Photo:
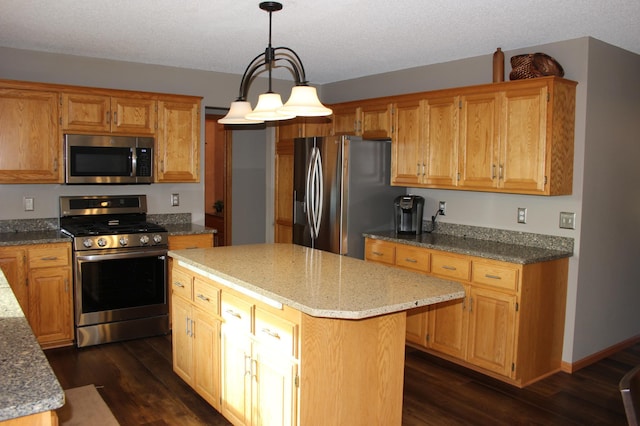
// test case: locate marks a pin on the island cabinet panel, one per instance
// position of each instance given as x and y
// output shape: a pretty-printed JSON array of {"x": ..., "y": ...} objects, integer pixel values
[
  {"x": 509, "y": 326},
  {"x": 87, "y": 112},
  {"x": 334, "y": 368},
  {"x": 30, "y": 140},
  {"x": 40, "y": 277}
]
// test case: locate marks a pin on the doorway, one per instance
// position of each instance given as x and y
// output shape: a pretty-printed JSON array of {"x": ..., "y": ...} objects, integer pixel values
[{"x": 217, "y": 175}]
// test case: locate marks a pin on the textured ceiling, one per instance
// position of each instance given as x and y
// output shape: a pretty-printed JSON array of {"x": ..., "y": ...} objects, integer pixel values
[{"x": 336, "y": 40}]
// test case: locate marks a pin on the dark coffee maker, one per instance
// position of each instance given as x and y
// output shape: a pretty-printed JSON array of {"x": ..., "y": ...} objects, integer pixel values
[{"x": 408, "y": 217}]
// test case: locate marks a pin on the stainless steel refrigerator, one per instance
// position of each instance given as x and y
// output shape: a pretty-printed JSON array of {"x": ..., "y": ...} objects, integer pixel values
[{"x": 341, "y": 190}]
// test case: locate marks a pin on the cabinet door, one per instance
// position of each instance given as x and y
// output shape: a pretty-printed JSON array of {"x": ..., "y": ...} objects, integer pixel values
[
  {"x": 376, "y": 120},
  {"x": 30, "y": 148},
  {"x": 235, "y": 366},
  {"x": 346, "y": 120},
  {"x": 407, "y": 144},
  {"x": 206, "y": 350},
  {"x": 50, "y": 305},
  {"x": 86, "y": 112},
  {"x": 133, "y": 116},
  {"x": 274, "y": 391},
  {"x": 12, "y": 263},
  {"x": 479, "y": 140},
  {"x": 448, "y": 323},
  {"x": 284, "y": 189},
  {"x": 178, "y": 142},
  {"x": 417, "y": 322},
  {"x": 492, "y": 325},
  {"x": 440, "y": 155},
  {"x": 523, "y": 139},
  {"x": 182, "y": 343}
]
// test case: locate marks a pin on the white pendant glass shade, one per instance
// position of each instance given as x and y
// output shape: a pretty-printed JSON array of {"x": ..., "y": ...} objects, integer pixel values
[
  {"x": 304, "y": 102},
  {"x": 268, "y": 108},
  {"x": 237, "y": 112}
]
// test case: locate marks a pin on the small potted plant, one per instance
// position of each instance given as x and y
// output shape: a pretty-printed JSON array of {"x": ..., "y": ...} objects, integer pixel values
[{"x": 218, "y": 205}]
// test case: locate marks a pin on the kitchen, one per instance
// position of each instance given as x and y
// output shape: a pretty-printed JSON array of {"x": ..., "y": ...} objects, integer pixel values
[{"x": 599, "y": 317}]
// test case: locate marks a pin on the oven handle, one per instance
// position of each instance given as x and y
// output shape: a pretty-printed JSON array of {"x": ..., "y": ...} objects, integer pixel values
[{"x": 120, "y": 254}]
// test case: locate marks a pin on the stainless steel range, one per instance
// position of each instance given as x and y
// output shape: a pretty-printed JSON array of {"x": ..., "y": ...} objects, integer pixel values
[{"x": 120, "y": 268}]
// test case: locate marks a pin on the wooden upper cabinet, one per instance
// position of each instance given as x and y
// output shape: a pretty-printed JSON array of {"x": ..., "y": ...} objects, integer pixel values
[
  {"x": 85, "y": 112},
  {"x": 30, "y": 139},
  {"x": 478, "y": 155},
  {"x": 407, "y": 143},
  {"x": 376, "y": 118},
  {"x": 178, "y": 140},
  {"x": 346, "y": 120},
  {"x": 440, "y": 153}
]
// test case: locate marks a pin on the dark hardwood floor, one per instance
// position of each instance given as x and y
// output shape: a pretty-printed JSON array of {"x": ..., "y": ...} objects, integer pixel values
[{"x": 136, "y": 381}]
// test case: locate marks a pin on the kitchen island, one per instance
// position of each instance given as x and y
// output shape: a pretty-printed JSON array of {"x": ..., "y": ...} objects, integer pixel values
[
  {"x": 347, "y": 324},
  {"x": 29, "y": 390}
]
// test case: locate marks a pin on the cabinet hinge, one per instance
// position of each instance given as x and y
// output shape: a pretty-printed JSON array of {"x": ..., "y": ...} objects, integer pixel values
[
  {"x": 458, "y": 176},
  {"x": 545, "y": 180},
  {"x": 517, "y": 307},
  {"x": 548, "y": 96},
  {"x": 60, "y": 99},
  {"x": 427, "y": 338},
  {"x": 513, "y": 366},
  {"x": 297, "y": 380},
  {"x": 459, "y": 104}
]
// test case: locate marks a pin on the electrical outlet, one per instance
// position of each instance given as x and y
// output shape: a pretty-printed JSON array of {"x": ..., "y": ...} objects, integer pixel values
[
  {"x": 175, "y": 199},
  {"x": 567, "y": 220},
  {"x": 442, "y": 206},
  {"x": 522, "y": 215},
  {"x": 28, "y": 204}
]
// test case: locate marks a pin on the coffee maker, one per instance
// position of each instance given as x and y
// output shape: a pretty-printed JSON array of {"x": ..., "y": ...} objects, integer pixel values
[{"x": 408, "y": 214}]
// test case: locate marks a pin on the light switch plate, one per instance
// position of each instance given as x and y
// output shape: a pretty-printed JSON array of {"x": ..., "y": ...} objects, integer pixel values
[
  {"x": 567, "y": 220},
  {"x": 28, "y": 204}
]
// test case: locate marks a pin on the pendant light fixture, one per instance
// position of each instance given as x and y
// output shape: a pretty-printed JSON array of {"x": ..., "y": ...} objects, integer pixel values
[{"x": 303, "y": 101}]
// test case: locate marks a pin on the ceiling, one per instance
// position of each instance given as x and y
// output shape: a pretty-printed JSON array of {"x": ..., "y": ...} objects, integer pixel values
[{"x": 336, "y": 40}]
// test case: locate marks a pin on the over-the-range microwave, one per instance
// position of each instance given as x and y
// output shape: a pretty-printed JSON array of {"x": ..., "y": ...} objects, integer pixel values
[{"x": 101, "y": 159}]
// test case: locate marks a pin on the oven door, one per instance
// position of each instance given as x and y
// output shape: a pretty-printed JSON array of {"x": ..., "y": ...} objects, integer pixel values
[{"x": 119, "y": 285}]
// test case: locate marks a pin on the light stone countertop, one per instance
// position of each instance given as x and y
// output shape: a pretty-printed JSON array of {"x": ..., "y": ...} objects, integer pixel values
[
  {"x": 27, "y": 382},
  {"x": 318, "y": 283}
]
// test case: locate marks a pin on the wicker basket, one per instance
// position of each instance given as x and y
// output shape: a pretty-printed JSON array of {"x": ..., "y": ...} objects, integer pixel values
[{"x": 532, "y": 65}]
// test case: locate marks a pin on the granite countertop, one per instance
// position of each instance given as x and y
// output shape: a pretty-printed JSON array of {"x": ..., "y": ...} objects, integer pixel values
[
  {"x": 315, "y": 282},
  {"x": 513, "y": 253},
  {"x": 188, "y": 229},
  {"x": 33, "y": 237},
  {"x": 27, "y": 382}
]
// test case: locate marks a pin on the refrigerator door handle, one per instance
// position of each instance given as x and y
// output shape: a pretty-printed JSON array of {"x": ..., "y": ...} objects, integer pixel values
[{"x": 314, "y": 192}]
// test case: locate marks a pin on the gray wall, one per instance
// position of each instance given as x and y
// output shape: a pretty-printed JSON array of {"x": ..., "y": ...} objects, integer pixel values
[{"x": 602, "y": 285}]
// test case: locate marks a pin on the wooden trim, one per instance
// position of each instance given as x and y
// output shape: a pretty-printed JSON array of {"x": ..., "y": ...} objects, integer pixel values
[{"x": 570, "y": 368}]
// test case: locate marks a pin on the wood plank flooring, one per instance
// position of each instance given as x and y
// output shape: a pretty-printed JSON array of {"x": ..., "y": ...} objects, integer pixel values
[{"x": 136, "y": 381}]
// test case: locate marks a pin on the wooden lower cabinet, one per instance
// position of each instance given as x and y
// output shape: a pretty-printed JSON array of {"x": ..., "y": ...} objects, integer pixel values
[
  {"x": 509, "y": 326},
  {"x": 40, "y": 277}
]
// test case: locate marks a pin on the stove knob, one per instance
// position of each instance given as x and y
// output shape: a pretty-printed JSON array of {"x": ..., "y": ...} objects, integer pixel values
[
  {"x": 144, "y": 240},
  {"x": 102, "y": 242},
  {"x": 87, "y": 243},
  {"x": 157, "y": 239},
  {"x": 124, "y": 241}
]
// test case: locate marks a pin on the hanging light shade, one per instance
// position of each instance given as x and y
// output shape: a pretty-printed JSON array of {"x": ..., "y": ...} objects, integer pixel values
[
  {"x": 303, "y": 100},
  {"x": 269, "y": 109},
  {"x": 237, "y": 113}
]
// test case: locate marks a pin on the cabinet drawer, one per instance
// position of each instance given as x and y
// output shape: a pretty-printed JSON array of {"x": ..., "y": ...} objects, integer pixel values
[
  {"x": 494, "y": 275},
  {"x": 206, "y": 296},
  {"x": 413, "y": 258},
  {"x": 380, "y": 251},
  {"x": 450, "y": 266},
  {"x": 180, "y": 242},
  {"x": 48, "y": 256},
  {"x": 278, "y": 333},
  {"x": 181, "y": 283},
  {"x": 236, "y": 312}
]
